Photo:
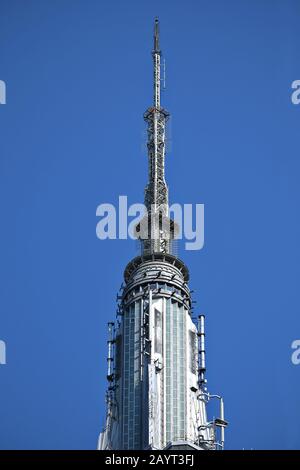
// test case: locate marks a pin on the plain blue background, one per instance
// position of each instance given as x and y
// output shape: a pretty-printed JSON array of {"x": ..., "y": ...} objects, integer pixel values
[{"x": 79, "y": 77}]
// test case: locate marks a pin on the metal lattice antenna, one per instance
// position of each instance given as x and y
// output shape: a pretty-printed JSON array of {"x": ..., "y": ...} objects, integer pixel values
[{"x": 160, "y": 228}]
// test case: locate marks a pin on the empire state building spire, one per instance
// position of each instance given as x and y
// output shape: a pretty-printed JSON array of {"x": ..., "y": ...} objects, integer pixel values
[{"x": 157, "y": 396}]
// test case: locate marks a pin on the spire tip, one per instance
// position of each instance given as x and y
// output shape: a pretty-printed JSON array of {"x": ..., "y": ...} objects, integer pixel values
[{"x": 156, "y": 35}]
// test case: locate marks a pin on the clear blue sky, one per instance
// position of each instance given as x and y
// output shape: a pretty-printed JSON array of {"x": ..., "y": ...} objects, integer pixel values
[{"x": 79, "y": 77}]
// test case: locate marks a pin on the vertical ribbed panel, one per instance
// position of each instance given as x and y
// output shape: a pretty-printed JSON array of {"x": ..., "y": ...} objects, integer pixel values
[
  {"x": 131, "y": 378},
  {"x": 175, "y": 361}
]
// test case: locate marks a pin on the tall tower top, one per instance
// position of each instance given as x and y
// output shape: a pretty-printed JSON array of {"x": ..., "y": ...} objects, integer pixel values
[{"x": 157, "y": 396}]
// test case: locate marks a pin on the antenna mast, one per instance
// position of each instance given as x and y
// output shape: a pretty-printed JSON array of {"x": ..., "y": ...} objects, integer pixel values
[
  {"x": 156, "y": 62},
  {"x": 159, "y": 228}
]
